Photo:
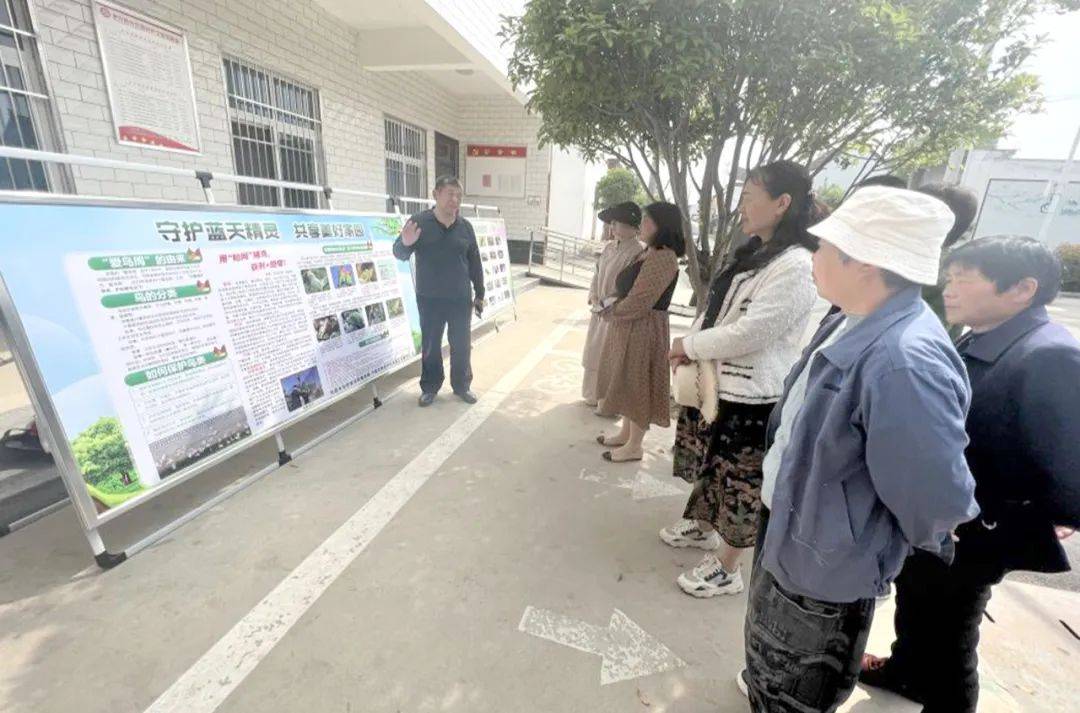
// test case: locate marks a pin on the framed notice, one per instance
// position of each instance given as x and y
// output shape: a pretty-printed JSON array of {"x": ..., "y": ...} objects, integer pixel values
[
  {"x": 148, "y": 79},
  {"x": 495, "y": 171}
]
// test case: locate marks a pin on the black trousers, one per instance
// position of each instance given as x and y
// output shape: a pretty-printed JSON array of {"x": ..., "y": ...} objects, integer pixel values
[
  {"x": 436, "y": 317},
  {"x": 802, "y": 654},
  {"x": 938, "y": 612}
]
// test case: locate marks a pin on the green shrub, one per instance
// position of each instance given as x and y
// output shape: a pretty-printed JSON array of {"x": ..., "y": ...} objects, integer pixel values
[{"x": 1069, "y": 253}]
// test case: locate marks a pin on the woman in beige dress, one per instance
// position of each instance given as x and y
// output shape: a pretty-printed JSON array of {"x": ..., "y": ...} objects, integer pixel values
[
  {"x": 634, "y": 378},
  {"x": 621, "y": 224}
]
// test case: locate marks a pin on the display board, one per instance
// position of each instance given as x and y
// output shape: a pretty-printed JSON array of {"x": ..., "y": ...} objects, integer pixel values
[
  {"x": 167, "y": 336},
  {"x": 495, "y": 256},
  {"x": 148, "y": 79}
]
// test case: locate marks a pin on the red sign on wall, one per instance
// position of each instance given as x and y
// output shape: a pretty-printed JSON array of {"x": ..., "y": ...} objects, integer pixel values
[
  {"x": 478, "y": 151},
  {"x": 495, "y": 171}
]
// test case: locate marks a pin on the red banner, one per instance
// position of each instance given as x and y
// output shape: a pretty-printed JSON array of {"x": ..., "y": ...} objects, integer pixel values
[{"x": 496, "y": 151}]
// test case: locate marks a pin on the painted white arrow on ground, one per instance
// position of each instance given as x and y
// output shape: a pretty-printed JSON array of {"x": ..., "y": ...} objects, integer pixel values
[{"x": 626, "y": 650}]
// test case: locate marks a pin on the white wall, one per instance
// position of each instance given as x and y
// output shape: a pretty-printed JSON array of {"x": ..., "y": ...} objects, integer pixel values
[
  {"x": 301, "y": 41},
  {"x": 567, "y": 211},
  {"x": 1012, "y": 196}
]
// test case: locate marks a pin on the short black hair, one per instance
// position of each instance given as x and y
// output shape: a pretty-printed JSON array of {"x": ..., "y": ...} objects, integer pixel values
[
  {"x": 447, "y": 180},
  {"x": 884, "y": 179},
  {"x": 963, "y": 203},
  {"x": 1005, "y": 260},
  {"x": 669, "y": 227}
]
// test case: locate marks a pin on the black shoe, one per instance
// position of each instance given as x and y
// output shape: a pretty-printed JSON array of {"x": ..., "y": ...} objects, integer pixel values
[
  {"x": 466, "y": 396},
  {"x": 876, "y": 673},
  {"x": 426, "y": 399}
]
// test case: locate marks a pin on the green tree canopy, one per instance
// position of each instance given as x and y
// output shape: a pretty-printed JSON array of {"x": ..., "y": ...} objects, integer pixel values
[
  {"x": 618, "y": 185},
  {"x": 831, "y": 195},
  {"x": 668, "y": 86}
]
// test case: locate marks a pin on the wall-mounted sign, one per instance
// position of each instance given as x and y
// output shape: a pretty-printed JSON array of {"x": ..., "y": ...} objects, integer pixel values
[
  {"x": 495, "y": 171},
  {"x": 148, "y": 78}
]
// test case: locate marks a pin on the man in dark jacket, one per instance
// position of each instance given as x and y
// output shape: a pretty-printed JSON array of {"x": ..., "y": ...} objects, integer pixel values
[
  {"x": 1024, "y": 426},
  {"x": 447, "y": 260}
]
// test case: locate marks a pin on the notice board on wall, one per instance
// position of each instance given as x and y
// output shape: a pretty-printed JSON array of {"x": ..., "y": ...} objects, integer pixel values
[
  {"x": 148, "y": 79},
  {"x": 495, "y": 171}
]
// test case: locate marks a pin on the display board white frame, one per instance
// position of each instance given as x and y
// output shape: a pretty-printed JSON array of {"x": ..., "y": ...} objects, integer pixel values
[{"x": 49, "y": 418}]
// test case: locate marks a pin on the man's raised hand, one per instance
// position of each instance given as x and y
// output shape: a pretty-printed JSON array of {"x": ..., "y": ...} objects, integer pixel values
[{"x": 410, "y": 233}]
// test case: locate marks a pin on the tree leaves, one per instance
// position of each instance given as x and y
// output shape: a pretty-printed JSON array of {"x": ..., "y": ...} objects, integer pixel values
[{"x": 667, "y": 85}]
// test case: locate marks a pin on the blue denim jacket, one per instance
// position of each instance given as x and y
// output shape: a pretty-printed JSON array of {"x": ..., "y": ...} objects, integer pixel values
[{"x": 875, "y": 465}]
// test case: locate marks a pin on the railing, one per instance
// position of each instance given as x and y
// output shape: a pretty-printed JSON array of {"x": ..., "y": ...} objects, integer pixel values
[
  {"x": 562, "y": 257},
  {"x": 570, "y": 260},
  {"x": 206, "y": 178}
]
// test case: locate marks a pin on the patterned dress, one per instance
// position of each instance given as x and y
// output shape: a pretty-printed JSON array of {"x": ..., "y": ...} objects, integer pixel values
[
  {"x": 634, "y": 378},
  {"x": 723, "y": 459},
  {"x": 616, "y": 256},
  {"x": 723, "y": 462}
]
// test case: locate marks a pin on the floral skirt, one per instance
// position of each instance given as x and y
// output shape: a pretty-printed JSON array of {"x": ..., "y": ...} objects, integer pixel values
[{"x": 723, "y": 461}]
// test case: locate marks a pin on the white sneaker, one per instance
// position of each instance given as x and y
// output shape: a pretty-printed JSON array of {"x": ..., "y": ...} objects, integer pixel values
[
  {"x": 705, "y": 567},
  {"x": 710, "y": 579},
  {"x": 686, "y": 533}
]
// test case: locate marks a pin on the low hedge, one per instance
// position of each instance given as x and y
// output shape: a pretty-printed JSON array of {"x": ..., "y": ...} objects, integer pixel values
[{"x": 1069, "y": 253}]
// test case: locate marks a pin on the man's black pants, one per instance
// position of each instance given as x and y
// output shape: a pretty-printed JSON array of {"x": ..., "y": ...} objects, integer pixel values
[
  {"x": 436, "y": 317},
  {"x": 938, "y": 612}
]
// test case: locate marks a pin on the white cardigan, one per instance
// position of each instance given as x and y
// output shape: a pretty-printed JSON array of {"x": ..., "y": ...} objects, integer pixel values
[{"x": 758, "y": 335}]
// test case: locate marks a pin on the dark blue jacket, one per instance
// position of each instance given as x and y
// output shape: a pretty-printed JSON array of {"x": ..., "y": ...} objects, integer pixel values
[
  {"x": 1024, "y": 427},
  {"x": 447, "y": 259}
]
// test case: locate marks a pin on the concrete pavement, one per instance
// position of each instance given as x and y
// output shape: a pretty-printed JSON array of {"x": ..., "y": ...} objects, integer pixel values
[{"x": 478, "y": 516}]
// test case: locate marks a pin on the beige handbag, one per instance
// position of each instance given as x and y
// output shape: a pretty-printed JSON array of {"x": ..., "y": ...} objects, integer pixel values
[{"x": 695, "y": 385}]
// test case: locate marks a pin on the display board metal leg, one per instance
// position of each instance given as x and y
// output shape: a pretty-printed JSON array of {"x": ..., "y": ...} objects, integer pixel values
[
  {"x": 104, "y": 558},
  {"x": 283, "y": 456}
]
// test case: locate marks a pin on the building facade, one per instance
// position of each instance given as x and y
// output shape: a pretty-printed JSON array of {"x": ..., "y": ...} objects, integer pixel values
[
  {"x": 378, "y": 97},
  {"x": 1039, "y": 198}
]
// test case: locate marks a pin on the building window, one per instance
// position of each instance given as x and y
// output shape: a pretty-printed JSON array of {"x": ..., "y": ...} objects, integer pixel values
[
  {"x": 276, "y": 133},
  {"x": 406, "y": 161},
  {"x": 26, "y": 119}
]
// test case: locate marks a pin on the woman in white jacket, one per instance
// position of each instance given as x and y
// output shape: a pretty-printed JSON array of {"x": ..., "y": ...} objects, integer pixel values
[{"x": 751, "y": 331}]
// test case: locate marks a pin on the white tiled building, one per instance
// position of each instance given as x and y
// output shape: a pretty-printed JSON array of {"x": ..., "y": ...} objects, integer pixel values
[{"x": 385, "y": 96}]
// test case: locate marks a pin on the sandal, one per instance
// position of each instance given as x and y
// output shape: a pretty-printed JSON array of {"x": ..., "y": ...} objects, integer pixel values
[{"x": 602, "y": 440}]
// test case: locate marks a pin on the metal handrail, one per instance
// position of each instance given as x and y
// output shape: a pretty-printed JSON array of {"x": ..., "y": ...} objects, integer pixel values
[
  {"x": 206, "y": 177},
  {"x": 570, "y": 250},
  {"x": 571, "y": 253},
  {"x": 559, "y": 234}
]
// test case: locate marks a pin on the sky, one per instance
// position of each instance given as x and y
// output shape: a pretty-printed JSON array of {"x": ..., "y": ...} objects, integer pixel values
[{"x": 1050, "y": 134}]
